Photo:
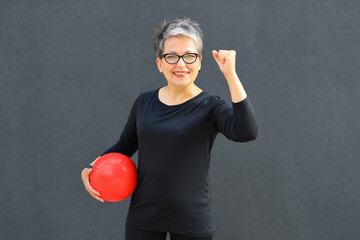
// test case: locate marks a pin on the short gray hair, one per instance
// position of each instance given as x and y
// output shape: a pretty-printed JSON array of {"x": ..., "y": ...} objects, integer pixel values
[{"x": 178, "y": 27}]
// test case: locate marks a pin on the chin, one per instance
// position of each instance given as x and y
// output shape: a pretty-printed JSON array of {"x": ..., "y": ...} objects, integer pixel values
[{"x": 181, "y": 83}]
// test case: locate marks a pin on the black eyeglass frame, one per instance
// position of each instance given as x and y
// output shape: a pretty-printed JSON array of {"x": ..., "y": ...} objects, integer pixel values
[{"x": 181, "y": 56}]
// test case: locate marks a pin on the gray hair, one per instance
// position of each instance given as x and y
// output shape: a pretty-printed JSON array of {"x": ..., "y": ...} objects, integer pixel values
[{"x": 178, "y": 27}]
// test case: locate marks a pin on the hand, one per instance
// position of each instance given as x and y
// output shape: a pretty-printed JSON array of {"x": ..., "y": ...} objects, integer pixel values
[
  {"x": 85, "y": 178},
  {"x": 226, "y": 61}
]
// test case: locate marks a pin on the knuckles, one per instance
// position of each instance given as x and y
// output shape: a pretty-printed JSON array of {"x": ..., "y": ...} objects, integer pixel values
[{"x": 223, "y": 53}]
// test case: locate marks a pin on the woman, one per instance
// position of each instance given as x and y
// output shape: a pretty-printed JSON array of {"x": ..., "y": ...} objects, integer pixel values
[{"x": 174, "y": 128}]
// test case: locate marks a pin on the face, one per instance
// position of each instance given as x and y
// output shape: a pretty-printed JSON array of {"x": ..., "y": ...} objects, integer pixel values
[{"x": 180, "y": 74}]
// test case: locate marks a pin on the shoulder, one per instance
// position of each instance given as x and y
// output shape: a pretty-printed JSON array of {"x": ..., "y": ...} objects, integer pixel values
[
  {"x": 144, "y": 98},
  {"x": 146, "y": 95},
  {"x": 216, "y": 105},
  {"x": 211, "y": 99},
  {"x": 149, "y": 93}
]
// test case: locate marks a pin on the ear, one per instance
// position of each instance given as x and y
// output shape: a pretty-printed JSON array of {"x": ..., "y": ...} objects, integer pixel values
[
  {"x": 159, "y": 64},
  {"x": 200, "y": 58}
]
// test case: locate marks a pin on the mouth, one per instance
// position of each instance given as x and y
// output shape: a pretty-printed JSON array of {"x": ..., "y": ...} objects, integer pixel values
[{"x": 180, "y": 73}]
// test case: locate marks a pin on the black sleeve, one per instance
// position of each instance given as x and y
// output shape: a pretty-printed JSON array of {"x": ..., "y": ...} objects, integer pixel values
[
  {"x": 237, "y": 123},
  {"x": 128, "y": 142}
]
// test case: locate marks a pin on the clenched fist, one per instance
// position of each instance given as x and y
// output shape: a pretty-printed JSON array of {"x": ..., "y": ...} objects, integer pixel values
[{"x": 226, "y": 61}]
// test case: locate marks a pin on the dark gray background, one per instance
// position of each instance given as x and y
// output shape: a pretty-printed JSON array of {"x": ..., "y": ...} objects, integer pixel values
[{"x": 70, "y": 71}]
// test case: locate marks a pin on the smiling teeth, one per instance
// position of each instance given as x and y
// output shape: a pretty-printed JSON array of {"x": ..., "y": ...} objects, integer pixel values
[{"x": 180, "y": 73}]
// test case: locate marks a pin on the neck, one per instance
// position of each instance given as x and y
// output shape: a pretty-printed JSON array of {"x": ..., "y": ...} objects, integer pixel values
[{"x": 179, "y": 93}]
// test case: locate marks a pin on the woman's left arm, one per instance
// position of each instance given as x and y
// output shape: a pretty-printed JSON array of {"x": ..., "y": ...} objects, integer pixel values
[
  {"x": 226, "y": 61},
  {"x": 239, "y": 124}
]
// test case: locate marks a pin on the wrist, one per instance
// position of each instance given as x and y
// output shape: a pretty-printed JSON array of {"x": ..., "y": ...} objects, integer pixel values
[
  {"x": 89, "y": 166},
  {"x": 231, "y": 76}
]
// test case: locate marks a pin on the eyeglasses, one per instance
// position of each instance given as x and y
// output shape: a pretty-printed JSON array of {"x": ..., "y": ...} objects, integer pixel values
[{"x": 173, "y": 58}]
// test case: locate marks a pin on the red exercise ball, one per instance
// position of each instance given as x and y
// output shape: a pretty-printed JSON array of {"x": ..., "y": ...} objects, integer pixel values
[{"x": 114, "y": 176}]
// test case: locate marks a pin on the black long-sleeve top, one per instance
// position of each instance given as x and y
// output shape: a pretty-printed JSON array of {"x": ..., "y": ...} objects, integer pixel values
[{"x": 174, "y": 143}]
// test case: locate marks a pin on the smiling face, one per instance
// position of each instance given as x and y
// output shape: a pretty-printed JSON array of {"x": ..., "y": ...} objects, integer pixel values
[{"x": 180, "y": 74}]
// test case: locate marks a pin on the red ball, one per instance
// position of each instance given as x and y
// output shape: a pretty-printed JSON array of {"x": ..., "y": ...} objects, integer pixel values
[{"x": 114, "y": 176}]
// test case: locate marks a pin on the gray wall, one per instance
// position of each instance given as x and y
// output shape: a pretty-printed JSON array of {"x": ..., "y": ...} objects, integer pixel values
[{"x": 70, "y": 71}]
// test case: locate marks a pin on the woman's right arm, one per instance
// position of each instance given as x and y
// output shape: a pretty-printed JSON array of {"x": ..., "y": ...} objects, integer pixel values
[{"x": 127, "y": 145}]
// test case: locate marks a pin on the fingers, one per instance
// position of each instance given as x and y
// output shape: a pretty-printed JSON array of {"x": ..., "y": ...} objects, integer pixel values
[
  {"x": 221, "y": 56},
  {"x": 88, "y": 186},
  {"x": 225, "y": 60},
  {"x": 97, "y": 197},
  {"x": 223, "y": 53},
  {"x": 85, "y": 178}
]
